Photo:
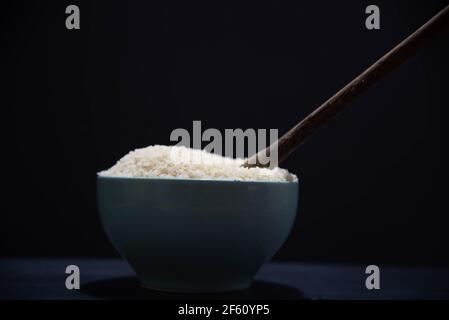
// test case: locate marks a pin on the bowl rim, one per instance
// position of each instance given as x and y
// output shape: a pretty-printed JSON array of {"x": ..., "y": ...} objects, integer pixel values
[{"x": 150, "y": 178}]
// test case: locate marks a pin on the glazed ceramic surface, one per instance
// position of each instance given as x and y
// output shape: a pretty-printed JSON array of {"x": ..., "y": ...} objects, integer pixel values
[{"x": 196, "y": 235}]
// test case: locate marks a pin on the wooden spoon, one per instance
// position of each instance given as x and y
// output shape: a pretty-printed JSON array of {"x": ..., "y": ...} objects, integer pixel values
[{"x": 290, "y": 141}]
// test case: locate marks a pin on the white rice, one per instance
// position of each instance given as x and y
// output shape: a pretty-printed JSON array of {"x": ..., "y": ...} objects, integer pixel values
[{"x": 185, "y": 163}]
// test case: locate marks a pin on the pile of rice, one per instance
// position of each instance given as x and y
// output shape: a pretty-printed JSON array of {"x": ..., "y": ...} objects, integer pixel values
[{"x": 185, "y": 163}]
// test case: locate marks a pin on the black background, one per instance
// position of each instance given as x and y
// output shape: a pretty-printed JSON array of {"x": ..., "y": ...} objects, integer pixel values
[{"x": 374, "y": 182}]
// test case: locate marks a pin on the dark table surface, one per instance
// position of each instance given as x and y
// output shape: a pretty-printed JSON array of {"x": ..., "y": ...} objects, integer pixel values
[{"x": 114, "y": 279}]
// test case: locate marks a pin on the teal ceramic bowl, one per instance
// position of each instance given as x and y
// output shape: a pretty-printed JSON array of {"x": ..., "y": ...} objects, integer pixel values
[{"x": 196, "y": 235}]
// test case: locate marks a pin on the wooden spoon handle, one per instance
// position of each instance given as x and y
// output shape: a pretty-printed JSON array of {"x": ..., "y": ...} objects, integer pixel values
[{"x": 290, "y": 141}]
